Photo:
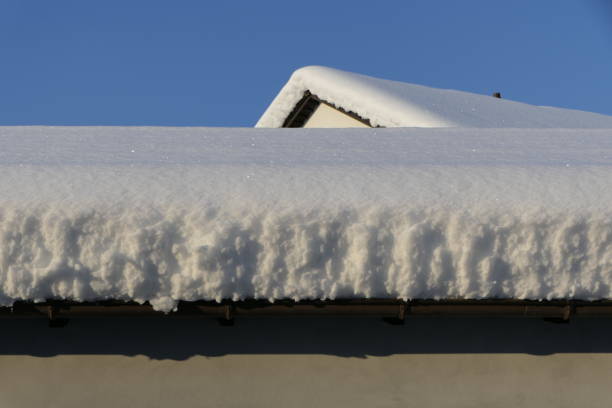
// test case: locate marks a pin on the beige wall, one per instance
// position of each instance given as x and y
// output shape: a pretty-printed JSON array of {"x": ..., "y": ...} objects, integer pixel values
[
  {"x": 306, "y": 362},
  {"x": 325, "y": 116}
]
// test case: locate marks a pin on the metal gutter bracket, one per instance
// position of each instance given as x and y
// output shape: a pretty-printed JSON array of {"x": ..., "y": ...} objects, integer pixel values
[
  {"x": 228, "y": 315},
  {"x": 55, "y": 321},
  {"x": 399, "y": 320}
]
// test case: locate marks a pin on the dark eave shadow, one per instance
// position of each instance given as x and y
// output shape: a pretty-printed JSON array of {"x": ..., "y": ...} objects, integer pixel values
[{"x": 359, "y": 337}]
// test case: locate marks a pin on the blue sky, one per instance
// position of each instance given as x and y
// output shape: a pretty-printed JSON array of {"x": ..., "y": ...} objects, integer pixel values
[{"x": 205, "y": 63}]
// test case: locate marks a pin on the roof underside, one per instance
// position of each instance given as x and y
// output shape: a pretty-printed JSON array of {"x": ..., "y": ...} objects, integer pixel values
[{"x": 306, "y": 107}]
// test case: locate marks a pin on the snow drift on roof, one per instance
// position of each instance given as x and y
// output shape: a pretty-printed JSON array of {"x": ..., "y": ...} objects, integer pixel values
[
  {"x": 398, "y": 104},
  {"x": 167, "y": 214}
]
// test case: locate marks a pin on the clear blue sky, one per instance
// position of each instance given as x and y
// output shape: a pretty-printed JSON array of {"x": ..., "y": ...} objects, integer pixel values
[{"x": 220, "y": 63}]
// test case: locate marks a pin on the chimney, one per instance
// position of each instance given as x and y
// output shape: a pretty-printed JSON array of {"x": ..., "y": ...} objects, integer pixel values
[{"x": 497, "y": 95}]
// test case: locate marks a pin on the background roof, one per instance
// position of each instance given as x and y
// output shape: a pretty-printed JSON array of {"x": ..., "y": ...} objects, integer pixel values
[{"x": 398, "y": 104}]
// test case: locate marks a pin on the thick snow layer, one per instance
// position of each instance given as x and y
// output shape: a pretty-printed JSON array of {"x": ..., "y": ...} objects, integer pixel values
[
  {"x": 398, "y": 104},
  {"x": 164, "y": 214}
]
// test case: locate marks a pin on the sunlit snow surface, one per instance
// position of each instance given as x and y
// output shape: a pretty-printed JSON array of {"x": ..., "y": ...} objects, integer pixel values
[
  {"x": 168, "y": 214},
  {"x": 395, "y": 104}
]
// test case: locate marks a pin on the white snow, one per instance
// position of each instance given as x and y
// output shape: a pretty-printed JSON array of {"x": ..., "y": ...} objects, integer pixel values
[
  {"x": 396, "y": 104},
  {"x": 168, "y": 214}
]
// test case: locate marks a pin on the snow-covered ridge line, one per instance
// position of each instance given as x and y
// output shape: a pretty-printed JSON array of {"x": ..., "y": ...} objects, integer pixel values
[
  {"x": 167, "y": 214},
  {"x": 397, "y": 104}
]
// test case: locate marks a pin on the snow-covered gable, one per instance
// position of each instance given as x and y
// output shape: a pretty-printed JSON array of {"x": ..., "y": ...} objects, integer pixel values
[{"x": 396, "y": 104}]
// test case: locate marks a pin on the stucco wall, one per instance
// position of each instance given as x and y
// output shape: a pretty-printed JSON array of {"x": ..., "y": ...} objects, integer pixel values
[
  {"x": 325, "y": 116},
  {"x": 306, "y": 362}
]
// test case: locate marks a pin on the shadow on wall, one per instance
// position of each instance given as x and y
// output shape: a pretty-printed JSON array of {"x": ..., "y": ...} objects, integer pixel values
[{"x": 180, "y": 339}]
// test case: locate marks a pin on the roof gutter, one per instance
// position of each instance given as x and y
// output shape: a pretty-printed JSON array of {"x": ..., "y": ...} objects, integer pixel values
[{"x": 394, "y": 311}]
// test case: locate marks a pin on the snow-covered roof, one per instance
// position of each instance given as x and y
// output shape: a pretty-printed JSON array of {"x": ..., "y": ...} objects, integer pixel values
[
  {"x": 168, "y": 214},
  {"x": 397, "y": 104}
]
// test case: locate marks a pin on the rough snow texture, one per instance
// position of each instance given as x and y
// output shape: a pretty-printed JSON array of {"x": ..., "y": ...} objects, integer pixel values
[
  {"x": 397, "y": 104},
  {"x": 164, "y": 214}
]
